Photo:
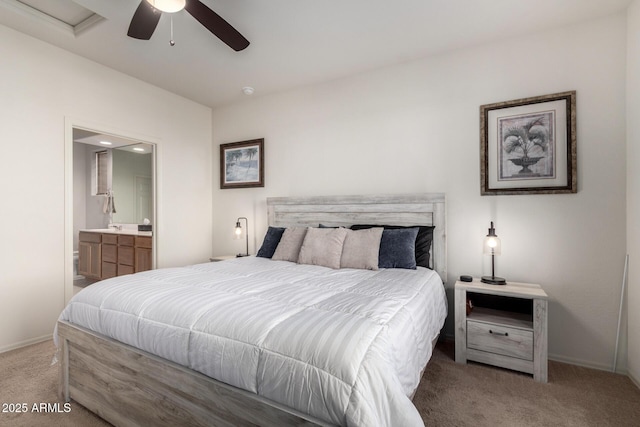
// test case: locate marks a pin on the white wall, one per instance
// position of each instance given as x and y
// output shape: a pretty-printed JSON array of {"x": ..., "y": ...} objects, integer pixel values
[
  {"x": 80, "y": 189},
  {"x": 633, "y": 187},
  {"x": 415, "y": 128},
  {"x": 41, "y": 86}
]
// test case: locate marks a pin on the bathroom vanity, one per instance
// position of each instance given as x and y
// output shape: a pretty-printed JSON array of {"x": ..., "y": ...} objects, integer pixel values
[{"x": 106, "y": 253}]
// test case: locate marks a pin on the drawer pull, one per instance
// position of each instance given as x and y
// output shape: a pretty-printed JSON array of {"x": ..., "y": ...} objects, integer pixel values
[{"x": 504, "y": 334}]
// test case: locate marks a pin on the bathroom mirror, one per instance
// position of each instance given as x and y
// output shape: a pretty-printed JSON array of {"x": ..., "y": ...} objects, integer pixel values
[
  {"x": 106, "y": 167},
  {"x": 131, "y": 183}
]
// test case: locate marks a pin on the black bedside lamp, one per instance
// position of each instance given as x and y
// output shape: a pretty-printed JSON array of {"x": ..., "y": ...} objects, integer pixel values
[
  {"x": 238, "y": 233},
  {"x": 492, "y": 247}
]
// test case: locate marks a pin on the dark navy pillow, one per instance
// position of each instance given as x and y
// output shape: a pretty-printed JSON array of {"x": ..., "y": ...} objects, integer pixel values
[
  {"x": 423, "y": 240},
  {"x": 398, "y": 249},
  {"x": 270, "y": 243}
]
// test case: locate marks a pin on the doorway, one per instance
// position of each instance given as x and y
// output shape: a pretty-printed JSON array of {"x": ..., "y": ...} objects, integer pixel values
[{"x": 110, "y": 186}]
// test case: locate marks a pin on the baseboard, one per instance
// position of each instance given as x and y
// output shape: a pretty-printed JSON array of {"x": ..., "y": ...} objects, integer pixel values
[
  {"x": 26, "y": 343},
  {"x": 585, "y": 363}
]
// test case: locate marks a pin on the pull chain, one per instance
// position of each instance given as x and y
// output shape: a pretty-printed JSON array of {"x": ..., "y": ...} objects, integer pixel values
[{"x": 172, "y": 42}]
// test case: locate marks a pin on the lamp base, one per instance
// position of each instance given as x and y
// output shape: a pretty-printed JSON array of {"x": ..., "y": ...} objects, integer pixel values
[
  {"x": 492, "y": 280},
  {"x": 241, "y": 255}
]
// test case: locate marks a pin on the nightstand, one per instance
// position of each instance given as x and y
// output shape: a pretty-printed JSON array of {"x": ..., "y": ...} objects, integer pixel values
[
  {"x": 506, "y": 327},
  {"x": 221, "y": 258}
]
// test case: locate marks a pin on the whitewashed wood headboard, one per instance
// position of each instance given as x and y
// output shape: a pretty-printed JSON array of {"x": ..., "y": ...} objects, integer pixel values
[{"x": 397, "y": 209}]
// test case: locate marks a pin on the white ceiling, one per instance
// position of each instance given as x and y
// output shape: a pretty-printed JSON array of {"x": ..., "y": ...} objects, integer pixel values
[{"x": 296, "y": 42}]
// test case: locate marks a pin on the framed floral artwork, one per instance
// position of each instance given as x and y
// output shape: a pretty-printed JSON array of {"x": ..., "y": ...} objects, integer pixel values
[{"x": 528, "y": 146}]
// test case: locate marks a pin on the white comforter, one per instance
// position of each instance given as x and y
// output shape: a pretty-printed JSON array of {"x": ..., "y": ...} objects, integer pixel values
[{"x": 346, "y": 346}]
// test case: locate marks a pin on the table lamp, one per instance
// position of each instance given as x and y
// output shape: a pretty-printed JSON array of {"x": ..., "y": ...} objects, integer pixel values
[
  {"x": 492, "y": 247},
  {"x": 238, "y": 234}
]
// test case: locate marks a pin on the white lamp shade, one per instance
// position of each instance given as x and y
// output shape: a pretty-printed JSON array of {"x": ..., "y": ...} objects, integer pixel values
[
  {"x": 169, "y": 6},
  {"x": 492, "y": 245}
]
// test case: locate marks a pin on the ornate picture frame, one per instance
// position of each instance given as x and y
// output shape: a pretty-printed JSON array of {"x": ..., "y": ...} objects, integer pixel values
[
  {"x": 528, "y": 146},
  {"x": 242, "y": 164}
]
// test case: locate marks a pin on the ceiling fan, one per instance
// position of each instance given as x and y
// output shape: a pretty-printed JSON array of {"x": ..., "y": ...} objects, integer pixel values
[{"x": 147, "y": 15}]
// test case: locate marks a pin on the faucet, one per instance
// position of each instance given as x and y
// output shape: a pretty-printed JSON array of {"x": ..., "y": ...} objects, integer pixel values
[{"x": 117, "y": 227}]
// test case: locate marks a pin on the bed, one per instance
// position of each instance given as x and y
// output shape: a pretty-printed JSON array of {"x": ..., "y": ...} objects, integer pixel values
[{"x": 250, "y": 354}]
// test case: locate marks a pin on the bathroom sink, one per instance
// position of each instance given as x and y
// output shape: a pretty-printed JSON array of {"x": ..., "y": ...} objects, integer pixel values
[{"x": 116, "y": 231}]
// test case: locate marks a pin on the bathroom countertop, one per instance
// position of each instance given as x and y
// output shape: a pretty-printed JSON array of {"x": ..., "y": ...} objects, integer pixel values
[{"x": 129, "y": 232}]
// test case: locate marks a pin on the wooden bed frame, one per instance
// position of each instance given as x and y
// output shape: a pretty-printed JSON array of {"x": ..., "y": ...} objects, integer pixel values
[{"x": 130, "y": 387}]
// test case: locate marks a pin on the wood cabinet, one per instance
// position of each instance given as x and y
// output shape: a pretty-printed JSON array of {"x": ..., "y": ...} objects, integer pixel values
[
  {"x": 109, "y": 256},
  {"x": 105, "y": 255},
  {"x": 125, "y": 254},
  {"x": 502, "y": 325},
  {"x": 143, "y": 254},
  {"x": 89, "y": 255}
]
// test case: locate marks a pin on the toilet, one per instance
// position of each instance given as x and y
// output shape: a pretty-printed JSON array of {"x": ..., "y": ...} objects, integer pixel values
[{"x": 75, "y": 266}]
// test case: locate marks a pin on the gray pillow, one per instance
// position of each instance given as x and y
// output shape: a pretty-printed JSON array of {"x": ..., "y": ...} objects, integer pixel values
[
  {"x": 270, "y": 242},
  {"x": 289, "y": 247},
  {"x": 398, "y": 248},
  {"x": 423, "y": 240},
  {"x": 361, "y": 248},
  {"x": 323, "y": 246}
]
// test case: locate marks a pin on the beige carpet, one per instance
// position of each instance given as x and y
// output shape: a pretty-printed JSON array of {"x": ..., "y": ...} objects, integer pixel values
[
  {"x": 449, "y": 395},
  {"x": 26, "y": 376}
]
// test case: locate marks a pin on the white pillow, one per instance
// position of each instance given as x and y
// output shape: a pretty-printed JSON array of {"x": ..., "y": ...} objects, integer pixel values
[
  {"x": 289, "y": 247},
  {"x": 322, "y": 246},
  {"x": 361, "y": 248}
]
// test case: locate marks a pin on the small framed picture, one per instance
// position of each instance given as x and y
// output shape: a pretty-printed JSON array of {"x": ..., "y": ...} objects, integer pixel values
[
  {"x": 528, "y": 146},
  {"x": 242, "y": 164}
]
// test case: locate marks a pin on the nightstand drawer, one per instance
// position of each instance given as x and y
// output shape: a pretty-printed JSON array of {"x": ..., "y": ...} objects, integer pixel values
[{"x": 502, "y": 340}]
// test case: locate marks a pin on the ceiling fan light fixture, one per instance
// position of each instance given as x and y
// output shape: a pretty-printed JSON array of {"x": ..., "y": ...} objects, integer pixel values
[
  {"x": 169, "y": 6},
  {"x": 149, "y": 12}
]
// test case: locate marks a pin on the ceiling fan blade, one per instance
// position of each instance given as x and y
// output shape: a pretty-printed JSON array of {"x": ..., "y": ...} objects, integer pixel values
[
  {"x": 144, "y": 21},
  {"x": 218, "y": 26}
]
